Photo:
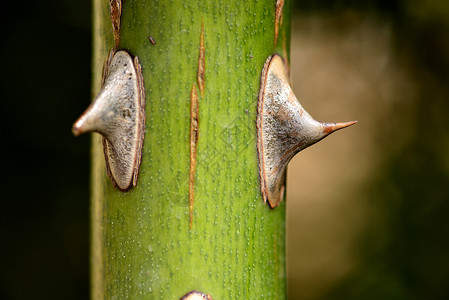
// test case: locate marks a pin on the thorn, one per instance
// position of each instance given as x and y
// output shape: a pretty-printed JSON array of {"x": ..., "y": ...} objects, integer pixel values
[
  {"x": 284, "y": 128},
  {"x": 90, "y": 120},
  {"x": 77, "y": 128},
  {"x": 332, "y": 127},
  {"x": 195, "y": 295},
  {"x": 117, "y": 113}
]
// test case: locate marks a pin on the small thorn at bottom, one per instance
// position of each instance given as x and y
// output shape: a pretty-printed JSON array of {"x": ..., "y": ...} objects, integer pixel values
[{"x": 195, "y": 295}]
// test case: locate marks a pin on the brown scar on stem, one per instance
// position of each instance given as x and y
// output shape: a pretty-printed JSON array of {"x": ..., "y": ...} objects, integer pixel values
[
  {"x": 278, "y": 19},
  {"x": 195, "y": 295},
  {"x": 152, "y": 40},
  {"x": 194, "y": 111},
  {"x": 116, "y": 13},
  {"x": 201, "y": 62}
]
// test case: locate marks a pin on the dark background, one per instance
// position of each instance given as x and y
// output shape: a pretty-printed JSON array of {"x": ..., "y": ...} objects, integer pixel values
[{"x": 45, "y": 84}]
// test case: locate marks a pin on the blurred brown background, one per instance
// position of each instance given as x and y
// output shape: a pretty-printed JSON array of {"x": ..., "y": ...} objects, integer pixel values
[{"x": 367, "y": 206}]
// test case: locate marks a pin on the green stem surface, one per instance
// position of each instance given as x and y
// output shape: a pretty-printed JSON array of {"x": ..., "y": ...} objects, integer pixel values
[{"x": 142, "y": 244}]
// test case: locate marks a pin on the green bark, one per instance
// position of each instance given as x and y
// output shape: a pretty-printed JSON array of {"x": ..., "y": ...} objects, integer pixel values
[{"x": 142, "y": 246}]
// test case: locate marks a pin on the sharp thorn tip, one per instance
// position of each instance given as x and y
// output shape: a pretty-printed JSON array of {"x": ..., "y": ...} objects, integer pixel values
[
  {"x": 332, "y": 127},
  {"x": 76, "y": 130}
]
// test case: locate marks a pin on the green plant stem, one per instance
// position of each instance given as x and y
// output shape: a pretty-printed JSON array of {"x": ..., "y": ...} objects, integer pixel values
[{"x": 142, "y": 244}]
